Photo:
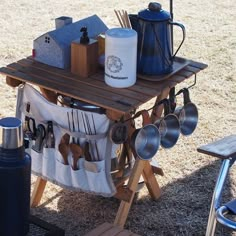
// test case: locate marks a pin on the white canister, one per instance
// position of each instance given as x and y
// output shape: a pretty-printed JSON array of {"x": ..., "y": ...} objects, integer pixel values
[{"x": 120, "y": 57}]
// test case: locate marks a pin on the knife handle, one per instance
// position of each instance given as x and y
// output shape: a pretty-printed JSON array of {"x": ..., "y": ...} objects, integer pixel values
[{"x": 50, "y": 140}]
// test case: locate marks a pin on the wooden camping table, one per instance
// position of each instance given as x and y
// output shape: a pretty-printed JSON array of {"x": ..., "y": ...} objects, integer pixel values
[{"x": 117, "y": 102}]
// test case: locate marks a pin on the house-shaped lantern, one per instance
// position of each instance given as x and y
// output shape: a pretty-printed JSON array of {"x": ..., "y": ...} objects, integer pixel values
[{"x": 54, "y": 47}]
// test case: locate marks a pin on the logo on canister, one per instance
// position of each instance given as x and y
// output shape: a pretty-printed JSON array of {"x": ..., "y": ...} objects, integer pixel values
[{"x": 120, "y": 57}]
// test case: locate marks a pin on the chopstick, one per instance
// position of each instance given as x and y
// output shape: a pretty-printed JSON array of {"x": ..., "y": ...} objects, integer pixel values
[
  {"x": 119, "y": 18},
  {"x": 123, "y": 18},
  {"x": 128, "y": 20}
]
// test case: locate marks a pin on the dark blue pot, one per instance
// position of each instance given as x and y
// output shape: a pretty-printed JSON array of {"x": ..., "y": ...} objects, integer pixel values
[{"x": 154, "y": 52}]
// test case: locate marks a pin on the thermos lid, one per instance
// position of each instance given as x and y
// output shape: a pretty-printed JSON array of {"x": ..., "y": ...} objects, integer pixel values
[
  {"x": 154, "y": 12},
  {"x": 11, "y": 133}
]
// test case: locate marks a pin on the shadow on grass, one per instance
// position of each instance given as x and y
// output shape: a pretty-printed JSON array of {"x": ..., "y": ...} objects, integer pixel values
[{"x": 182, "y": 209}]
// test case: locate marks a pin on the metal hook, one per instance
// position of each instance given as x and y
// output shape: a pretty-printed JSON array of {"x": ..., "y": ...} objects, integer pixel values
[
  {"x": 182, "y": 90},
  {"x": 195, "y": 81},
  {"x": 172, "y": 102}
]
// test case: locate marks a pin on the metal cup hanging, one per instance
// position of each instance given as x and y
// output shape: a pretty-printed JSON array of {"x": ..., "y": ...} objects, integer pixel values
[
  {"x": 187, "y": 114},
  {"x": 146, "y": 140},
  {"x": 168, "y": 126}
]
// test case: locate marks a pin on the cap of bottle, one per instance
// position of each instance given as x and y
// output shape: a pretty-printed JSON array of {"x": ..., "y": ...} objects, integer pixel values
[{"x": 11, "y": 133}]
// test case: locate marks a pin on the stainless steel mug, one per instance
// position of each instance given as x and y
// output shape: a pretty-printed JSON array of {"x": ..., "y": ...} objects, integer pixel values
[
  {"x": 168, "y": 126},
  {"x": 187, "y": 114},
  {"x": 146, "y": 140}
]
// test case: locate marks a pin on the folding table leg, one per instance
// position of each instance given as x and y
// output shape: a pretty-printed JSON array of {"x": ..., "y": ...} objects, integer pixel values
[
  {"x": 151, "y": 182},
  {"x": 123, "y": 210},
  {"x": 38, "y": 191},
  {"x": 157, "y": 111}
]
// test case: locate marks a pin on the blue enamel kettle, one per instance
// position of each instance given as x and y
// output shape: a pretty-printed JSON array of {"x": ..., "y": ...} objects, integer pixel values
[{"x": 154, "y": 26}]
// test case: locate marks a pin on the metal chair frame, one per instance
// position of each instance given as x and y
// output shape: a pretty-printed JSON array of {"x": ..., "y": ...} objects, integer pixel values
[{"x": 217, "y": 211}]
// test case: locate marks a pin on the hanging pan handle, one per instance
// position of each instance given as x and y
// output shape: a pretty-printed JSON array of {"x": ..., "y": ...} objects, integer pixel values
[
  {"x": 186, "y": 95},
  {"x": 145, "y": 116},
  {"x": 167, "y": 109}
]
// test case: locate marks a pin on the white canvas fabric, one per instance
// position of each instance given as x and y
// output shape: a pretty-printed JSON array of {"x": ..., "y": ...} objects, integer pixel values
[{"x": 91, "y": 176}]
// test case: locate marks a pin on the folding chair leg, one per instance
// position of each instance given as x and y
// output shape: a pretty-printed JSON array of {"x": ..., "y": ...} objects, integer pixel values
[{"x": 216, "y": 198}]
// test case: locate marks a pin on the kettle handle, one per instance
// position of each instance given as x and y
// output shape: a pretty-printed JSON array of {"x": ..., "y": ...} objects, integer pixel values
[{"x": 184, "y": 34}]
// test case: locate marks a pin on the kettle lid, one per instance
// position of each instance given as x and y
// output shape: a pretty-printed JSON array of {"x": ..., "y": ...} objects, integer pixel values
[{"x": 154, "y": 12}]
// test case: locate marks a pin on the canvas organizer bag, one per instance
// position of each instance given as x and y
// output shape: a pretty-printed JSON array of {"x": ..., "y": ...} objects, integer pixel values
[{"x": 83, "y": 127}]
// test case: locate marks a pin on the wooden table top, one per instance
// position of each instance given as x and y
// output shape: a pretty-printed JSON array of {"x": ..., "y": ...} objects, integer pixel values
[{"x": 93, "y": 89}]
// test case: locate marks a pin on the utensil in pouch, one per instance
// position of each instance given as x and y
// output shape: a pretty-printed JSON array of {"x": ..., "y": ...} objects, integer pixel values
[
  {"x": 50, "y": 138},
  {"x": 77, "y": 152},
  {"x": 39, "y": 138},
  {"x": 28, "y": 136},
  {"x": 27, "y": 109},
  {"x": 187, "y": 114},
  {"x": 32, "y": 127},
  {"x": 64, "y": 149},
  {"x": 87, "y": 154}
]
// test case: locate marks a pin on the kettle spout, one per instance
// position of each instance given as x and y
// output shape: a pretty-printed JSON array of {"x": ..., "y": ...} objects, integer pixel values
[{"x": 134, "y": 21}]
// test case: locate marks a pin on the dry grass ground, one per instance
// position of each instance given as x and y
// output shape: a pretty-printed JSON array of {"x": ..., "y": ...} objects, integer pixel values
[{"x": 189, "y": 176}]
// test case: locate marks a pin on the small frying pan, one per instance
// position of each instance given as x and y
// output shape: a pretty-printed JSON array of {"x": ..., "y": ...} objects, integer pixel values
[{"x": 119, "y": 132}]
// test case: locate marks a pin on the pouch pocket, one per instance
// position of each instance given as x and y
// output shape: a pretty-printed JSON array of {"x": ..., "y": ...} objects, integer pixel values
[
  {"x": 36, "y": 161},
  {"x": 48, "y": 168},
  {"x": 79, "y": 178},
  {"x": 63, "y": 174},
  {"x": 96, "y": 177}
]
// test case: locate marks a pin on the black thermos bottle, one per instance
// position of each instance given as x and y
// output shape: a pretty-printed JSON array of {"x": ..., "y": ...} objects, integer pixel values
[{"x": 15, "y": 170}]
